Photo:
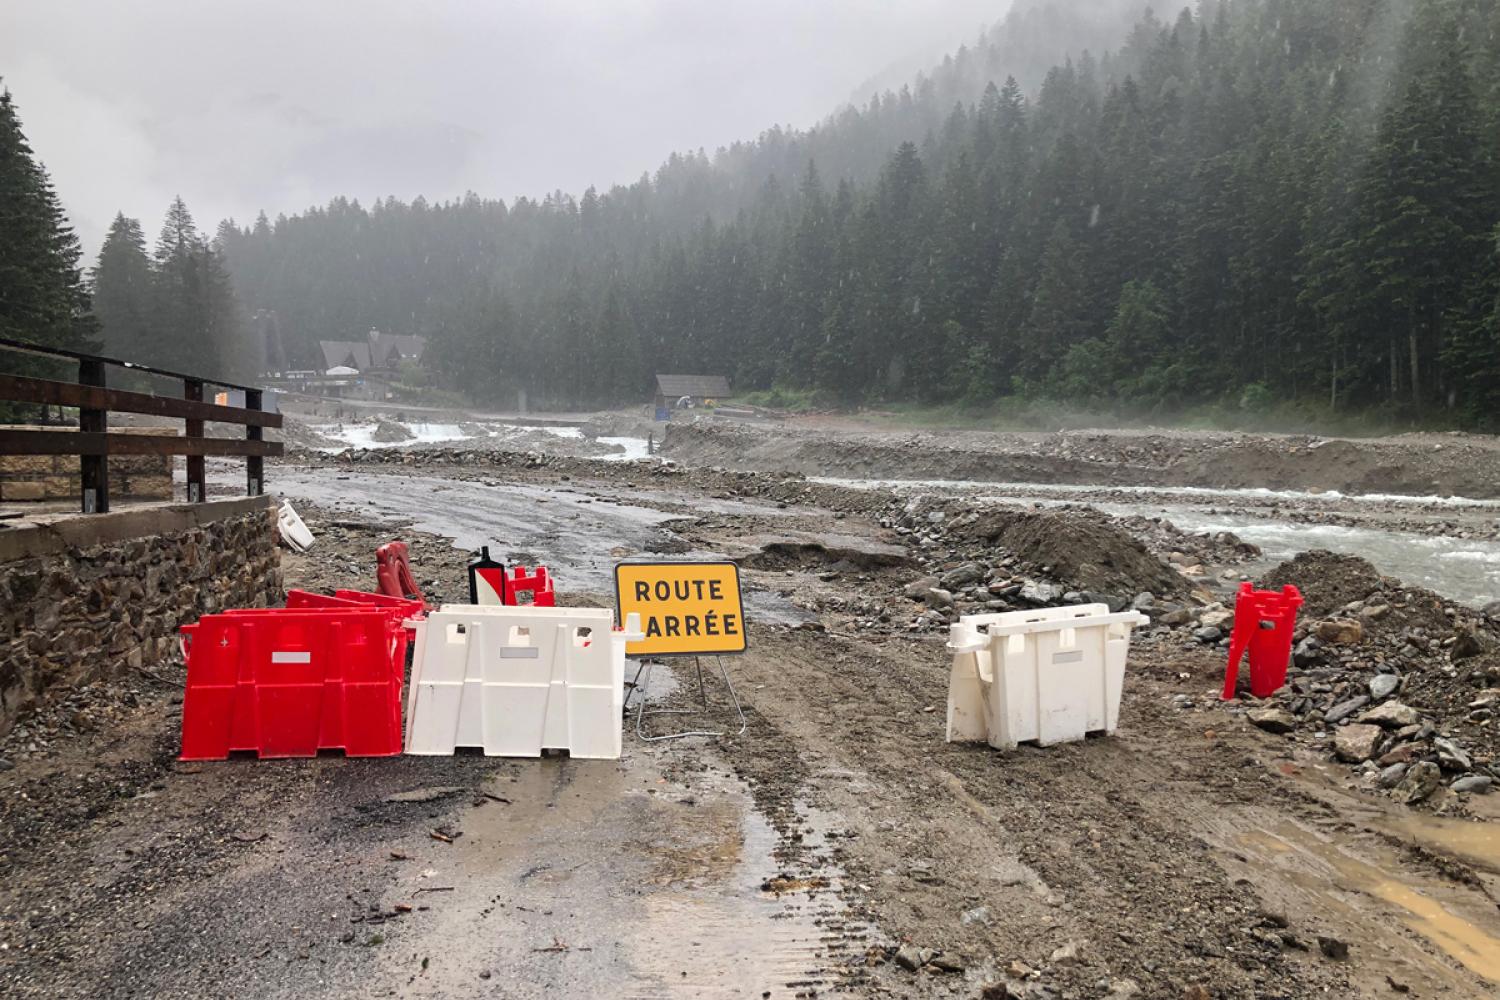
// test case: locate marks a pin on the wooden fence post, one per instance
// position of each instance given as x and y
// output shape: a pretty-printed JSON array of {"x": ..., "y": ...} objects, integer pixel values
[
  {"x": 93, "y": 469},
  {"x": 197, "y": 484},
  {"x": 255, "y": 465}
]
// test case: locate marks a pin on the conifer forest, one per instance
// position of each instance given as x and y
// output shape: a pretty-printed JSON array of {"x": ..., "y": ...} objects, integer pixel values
[{"x": 1242, "y": 202}]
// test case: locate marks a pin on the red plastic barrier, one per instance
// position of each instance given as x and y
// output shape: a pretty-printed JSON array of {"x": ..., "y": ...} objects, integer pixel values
[
  {"x": 288, "y": 683},
  {"x": 306, "y": 600},
  {"x": 393, "y": 572},
  {"x": 405, "y": 607},
  {"x": 1264, "y": 621},
  {"x": 538, "y": 585}
]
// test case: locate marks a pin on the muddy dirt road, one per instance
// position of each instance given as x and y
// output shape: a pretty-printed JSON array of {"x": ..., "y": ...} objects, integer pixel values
[{"x": 838, "y": 847}]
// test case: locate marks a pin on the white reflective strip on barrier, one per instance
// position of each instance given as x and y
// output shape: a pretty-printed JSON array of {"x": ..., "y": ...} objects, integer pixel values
[
  {"x": 1049, "y": 676},
  {"x": 518, "y": 680}
]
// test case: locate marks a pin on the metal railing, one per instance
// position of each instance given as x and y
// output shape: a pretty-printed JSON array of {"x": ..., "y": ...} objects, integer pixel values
[{"x": 93, "y": 443}]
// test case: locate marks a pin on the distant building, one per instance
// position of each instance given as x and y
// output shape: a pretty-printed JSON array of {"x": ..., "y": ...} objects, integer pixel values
[
  {"x": 378, "y": 353},
  {"x": 681, "y": 391}
]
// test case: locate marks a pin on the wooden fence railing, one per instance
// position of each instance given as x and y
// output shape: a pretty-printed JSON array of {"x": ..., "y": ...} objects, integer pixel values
[{"x": 93, "y": 443}]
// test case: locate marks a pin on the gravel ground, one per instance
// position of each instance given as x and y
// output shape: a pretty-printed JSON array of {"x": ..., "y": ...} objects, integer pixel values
[{"x": 839, "y": 846}]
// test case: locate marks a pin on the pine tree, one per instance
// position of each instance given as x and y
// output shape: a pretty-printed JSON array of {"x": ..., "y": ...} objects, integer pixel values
[
  {"x": 123, "y": 298},
  {"x": 42, "y": 295}
]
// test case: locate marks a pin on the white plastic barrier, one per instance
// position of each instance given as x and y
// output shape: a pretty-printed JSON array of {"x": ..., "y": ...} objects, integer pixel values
[
  {"x": 517, "y": 680},
  {"x": 296, "y": 534},
  {"x": 1051, "y": 675}
]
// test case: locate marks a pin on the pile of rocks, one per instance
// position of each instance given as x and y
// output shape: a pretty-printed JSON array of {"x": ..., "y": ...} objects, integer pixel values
[
  {"x": 979, "y": 560},
  {"x": 1396, "y": 681}
]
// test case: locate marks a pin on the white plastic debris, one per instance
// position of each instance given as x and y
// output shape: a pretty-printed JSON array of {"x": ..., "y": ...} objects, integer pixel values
[{"x": 294, "y": 534}]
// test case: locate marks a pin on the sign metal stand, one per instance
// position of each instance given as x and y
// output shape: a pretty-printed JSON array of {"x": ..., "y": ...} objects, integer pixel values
[
  {"x": 640, "y": 707},
  {"x": 687, "y": 609}
]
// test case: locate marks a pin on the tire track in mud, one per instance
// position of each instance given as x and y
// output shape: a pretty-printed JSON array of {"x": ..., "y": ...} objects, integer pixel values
[{"x": 1015, "y": 856}]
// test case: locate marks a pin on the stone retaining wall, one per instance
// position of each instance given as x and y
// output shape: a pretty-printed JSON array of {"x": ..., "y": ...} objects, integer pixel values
[
  {"x": 57, "y": 477},
  {"x": 86, "y": 597}
]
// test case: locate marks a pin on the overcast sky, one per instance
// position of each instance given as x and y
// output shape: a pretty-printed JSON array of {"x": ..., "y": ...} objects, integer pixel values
[{"x": 241, "y": 105}]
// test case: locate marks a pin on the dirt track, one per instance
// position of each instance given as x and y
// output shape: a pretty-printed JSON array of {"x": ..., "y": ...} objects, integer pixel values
[
  {"x": 1191, "y": 856},
  {"x": 1413, "y": 464}
]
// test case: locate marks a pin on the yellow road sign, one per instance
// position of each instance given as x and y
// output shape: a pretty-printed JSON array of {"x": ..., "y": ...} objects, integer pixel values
[{"x": 686, "y": 608}]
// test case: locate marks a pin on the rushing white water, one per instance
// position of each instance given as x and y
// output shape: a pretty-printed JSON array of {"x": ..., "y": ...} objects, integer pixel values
[
  {"x": 635, "y": 448},
  {"x": 1465, "y": 570},
  {"x": 363, "y": 435},
  {"x": 1010, "y": 490}
]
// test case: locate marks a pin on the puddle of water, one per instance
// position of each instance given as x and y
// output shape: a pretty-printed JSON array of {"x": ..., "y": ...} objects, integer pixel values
[
  {"x": 604, "y": 879},
  {"x": 767, "y": 924},
  {"x": 1476, "y": 843},
  {"x": 1473, "y": 946}
]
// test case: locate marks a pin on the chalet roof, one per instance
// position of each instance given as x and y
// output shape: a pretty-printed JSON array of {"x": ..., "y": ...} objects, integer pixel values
[
  {"x": 346, "y": 353},
  {"x": 697, "y": 386},
  {"x": 405, "y": 346}
]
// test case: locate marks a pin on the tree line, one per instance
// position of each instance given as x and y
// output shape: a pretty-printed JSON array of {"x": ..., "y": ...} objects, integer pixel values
[
  {"x": 1259, "y": 200},
  {"x": 172, "y": 308},
  {"x": 1254, "y": 202},
  {"x": 43, "y": 295}
]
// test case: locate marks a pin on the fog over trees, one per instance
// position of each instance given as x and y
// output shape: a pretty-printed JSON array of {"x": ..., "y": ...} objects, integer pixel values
[{"x": 1247, "y": 202}]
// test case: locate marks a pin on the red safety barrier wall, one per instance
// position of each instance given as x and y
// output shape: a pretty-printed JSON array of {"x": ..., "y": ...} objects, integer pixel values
[
  {"x": 393, "y": 572},
  {"x": 291, "y": 682},
  {"x": 1264, "y": 621},
  {"x": 538, "y": 585},
  {"x": 404, "y": 606}
]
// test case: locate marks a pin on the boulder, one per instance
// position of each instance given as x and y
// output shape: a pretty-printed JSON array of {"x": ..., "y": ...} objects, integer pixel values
[
  {"x": 1474, "y": 784},
  {"x": 1391, "y": 776},
  {"x": 1220, "y": 618},
  {"x": 1344, "y": 709},
  {"x": 1308, "y": 652},
  {"x": 961, "y": 576},
  {"x": 1357, "y": 743},
  {"x": 1207, "y": 635},
  {"x": 1272, "y": 720},
  {"x": 1422, "y": 779},
  {"x": 1469, "y": 643},
  {"x": 1451, "y": 755},
  {"x": 1382, "y": 686},
  {"x": 1392, "y": 715},
  {"x": 1340, "y": 631},
  {"x": 937, "y": 597},
  {"x": 917, "y": 589},
  {"x": 1037, "y": 592}
]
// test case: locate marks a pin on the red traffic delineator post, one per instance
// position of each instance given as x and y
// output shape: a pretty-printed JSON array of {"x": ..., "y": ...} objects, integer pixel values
[
  {"x": 290, "y": 682},
  {"x": 393, "y": 572},
  {"x": 1264, "y": 621},
  {"x": 539, "y": 585}
]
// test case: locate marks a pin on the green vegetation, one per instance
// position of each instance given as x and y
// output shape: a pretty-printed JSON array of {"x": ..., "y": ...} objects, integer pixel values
[
  {"x": 175, "y": 308},
  {"x": 42, "y": 295},
  {"x": 1285, "y": 204}
]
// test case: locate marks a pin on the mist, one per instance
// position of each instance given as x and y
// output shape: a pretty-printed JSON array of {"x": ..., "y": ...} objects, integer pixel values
[{"x": 278, "y": 104}]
